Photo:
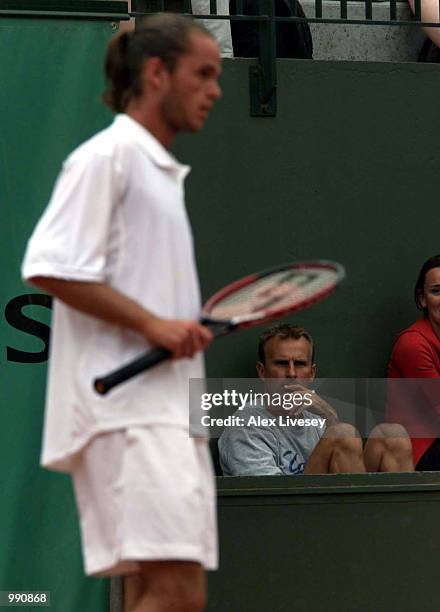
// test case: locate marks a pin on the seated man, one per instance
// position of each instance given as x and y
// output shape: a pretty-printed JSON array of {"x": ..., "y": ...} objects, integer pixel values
[
  {"x": 293, "y": 38},
  {"x": 286, "y": 352}
]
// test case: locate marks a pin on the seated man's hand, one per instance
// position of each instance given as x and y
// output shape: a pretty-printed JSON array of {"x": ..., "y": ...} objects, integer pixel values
[{"x": 319, "y": 406}]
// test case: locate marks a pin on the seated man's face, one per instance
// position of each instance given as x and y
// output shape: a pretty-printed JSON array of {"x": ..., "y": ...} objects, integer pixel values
[{"x": 288, "y": 359}]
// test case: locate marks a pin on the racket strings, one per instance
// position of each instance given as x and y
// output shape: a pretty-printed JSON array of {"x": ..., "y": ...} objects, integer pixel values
[{"x": 276, "y": 291}]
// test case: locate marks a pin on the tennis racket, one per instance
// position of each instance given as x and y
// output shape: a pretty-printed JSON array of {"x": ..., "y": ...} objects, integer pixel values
[{"x": 248, "y": 302}]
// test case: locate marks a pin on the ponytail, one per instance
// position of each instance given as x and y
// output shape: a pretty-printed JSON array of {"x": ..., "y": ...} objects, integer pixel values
[{"x": 117, "y": 72}]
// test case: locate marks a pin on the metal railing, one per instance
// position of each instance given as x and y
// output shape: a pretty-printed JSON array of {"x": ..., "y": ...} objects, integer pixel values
[
  {"x": 116, "y": 8},
  {"x": 109, "y": 10}
]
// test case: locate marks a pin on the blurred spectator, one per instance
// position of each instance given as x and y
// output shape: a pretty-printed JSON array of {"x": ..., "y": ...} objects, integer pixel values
[
  {"x": 416, "y": 354},
  {"x": 220, "y": 28},
  {"x": 430, "y": 51},
  {"x": 127, "y": 25},
  {"x": 293, "y": 39},
  {"x": 240, "y": 38}
]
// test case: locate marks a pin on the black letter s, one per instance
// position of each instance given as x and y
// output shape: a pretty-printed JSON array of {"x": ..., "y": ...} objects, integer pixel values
[{"x": 17, "y": 319}]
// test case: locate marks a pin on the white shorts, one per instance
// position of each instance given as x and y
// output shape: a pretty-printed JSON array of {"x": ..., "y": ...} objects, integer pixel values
[{"x": 145, "y": 494}]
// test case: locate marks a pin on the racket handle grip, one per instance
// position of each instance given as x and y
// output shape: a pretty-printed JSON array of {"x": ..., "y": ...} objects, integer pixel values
[{"x": 106, "y": 383}]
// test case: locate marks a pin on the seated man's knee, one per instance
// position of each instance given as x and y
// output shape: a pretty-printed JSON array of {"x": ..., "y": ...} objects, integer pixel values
[
  {"x": 393, "y": 437},
  {"x": 389, "y": 430},
  {"x": 342, "y": 431},
  {"x": 343, "y": 445},
  {"x": 351, "y": 447},
  {"x": 344, "y": 440}
]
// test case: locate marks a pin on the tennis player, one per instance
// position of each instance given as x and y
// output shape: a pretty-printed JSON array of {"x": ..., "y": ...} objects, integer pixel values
[{"x": 114, "y": 247}]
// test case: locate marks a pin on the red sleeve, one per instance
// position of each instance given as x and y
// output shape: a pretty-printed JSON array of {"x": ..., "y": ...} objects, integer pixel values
[{"x": 413, "y": 357}]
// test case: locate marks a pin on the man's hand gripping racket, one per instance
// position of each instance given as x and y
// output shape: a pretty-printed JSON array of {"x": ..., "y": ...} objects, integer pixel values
[{"x": 248, "y": 302}]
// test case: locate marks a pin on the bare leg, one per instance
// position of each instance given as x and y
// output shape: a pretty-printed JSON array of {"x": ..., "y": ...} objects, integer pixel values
[
  {"x": 166, "y": 586},
  {"x": 389, "y": 449},
  {"x": 338, "y": 451}
]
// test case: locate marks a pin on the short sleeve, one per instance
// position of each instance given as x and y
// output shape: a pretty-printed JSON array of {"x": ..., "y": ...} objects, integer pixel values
[
  {"x": 71, "y": 239},
  {"x": 245, "y": 451},
  {"x": 412, "y": 357}
]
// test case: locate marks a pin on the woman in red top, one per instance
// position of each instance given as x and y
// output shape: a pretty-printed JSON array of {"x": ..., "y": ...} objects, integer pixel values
[{"x": 416, "y": 354}]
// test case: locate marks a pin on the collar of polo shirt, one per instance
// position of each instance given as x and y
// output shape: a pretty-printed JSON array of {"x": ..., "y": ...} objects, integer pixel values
[{"x": 156, "y": 151}]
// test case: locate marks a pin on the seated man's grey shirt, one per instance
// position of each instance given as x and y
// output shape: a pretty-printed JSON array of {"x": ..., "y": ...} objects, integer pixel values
[{"x": 262, "y": 450}]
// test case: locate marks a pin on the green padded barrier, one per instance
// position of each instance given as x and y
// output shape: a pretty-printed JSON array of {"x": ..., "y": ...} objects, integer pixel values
[{"x": 330, "y": 543}]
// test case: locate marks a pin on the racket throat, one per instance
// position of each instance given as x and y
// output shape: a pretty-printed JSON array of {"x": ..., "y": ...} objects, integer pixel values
[{"x": 218, "y": 328}]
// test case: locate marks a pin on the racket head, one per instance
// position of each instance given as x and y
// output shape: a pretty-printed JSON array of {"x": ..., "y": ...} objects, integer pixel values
[{"x": 273, "y": 293}]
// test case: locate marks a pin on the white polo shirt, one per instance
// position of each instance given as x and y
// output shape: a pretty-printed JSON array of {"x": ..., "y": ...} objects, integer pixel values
[{"x": 117, "y": 216}]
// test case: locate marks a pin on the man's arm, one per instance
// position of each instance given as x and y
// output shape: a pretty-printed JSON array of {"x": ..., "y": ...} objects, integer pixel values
[{"x": 182, "y": 338}]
